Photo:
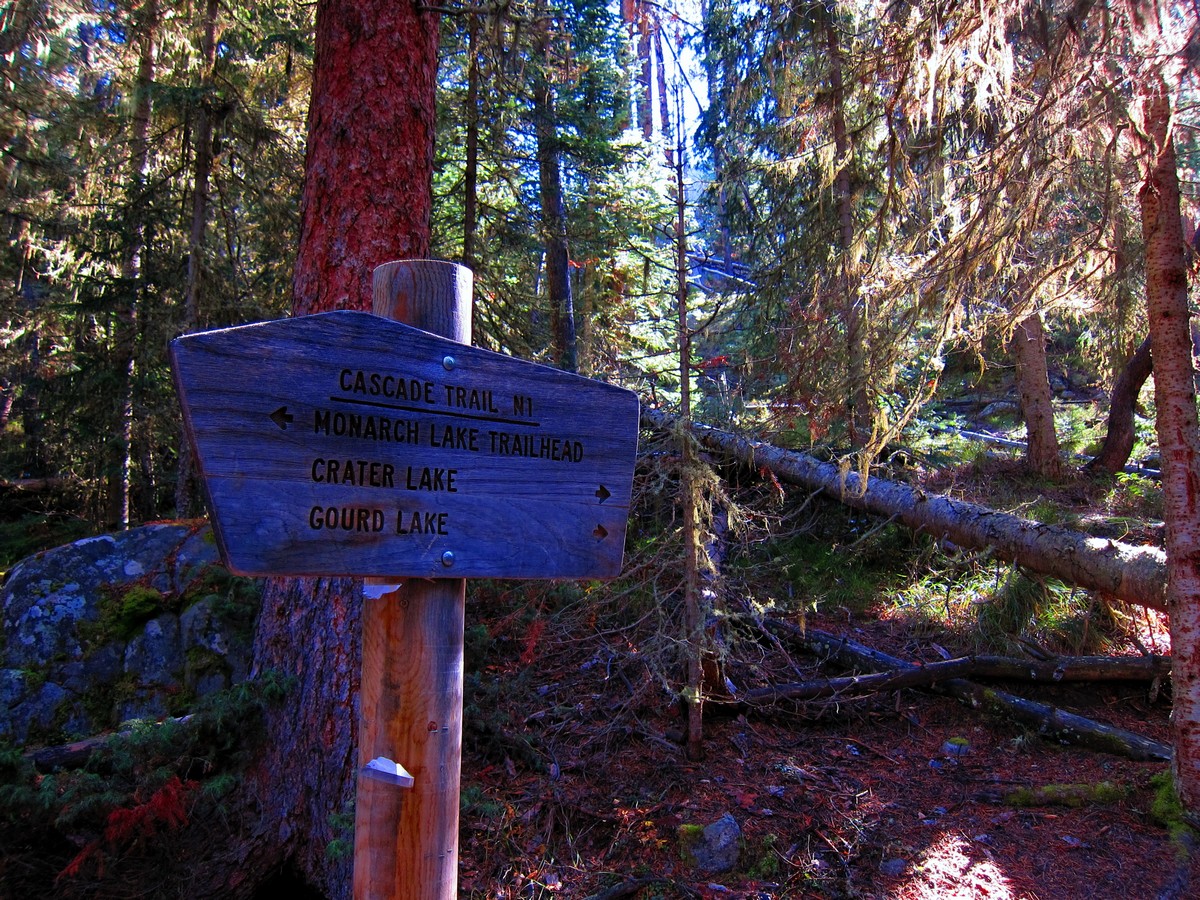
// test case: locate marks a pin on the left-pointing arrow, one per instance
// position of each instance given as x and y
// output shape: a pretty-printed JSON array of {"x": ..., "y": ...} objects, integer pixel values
[{"x": 281, "y": 418}]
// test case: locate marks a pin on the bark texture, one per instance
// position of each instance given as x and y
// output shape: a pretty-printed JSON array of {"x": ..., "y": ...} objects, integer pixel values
[
  {"x": 369, "y": 161},
  {"x": 1129, "y": 573},
  {"x": 554, "y": 207},
  {"x": 1118, "y": 439},
  {"x": 1176, "y": 423},
  {"x": 366, "y": 201},
  {"x": 1028, "y": 345}
]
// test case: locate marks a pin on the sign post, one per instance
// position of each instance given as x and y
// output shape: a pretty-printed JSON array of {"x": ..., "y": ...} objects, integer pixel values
[
  {"x": 383, "y": 445},
  {"x": 411, "y": 694}
]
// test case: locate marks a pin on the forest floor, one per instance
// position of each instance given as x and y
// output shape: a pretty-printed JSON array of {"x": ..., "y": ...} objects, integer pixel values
[
  {"x": 575, "y": 780},
  {"x": 576, "y": 784}
]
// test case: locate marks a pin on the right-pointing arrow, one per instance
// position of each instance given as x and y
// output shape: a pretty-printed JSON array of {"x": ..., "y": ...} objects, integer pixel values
[{"x": 603, "y": 493}]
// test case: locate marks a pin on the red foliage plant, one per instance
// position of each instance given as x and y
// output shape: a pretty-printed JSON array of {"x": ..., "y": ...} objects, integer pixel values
[
  {"x": 165, "y": 809},
  {"x": 536, "y": 629}
]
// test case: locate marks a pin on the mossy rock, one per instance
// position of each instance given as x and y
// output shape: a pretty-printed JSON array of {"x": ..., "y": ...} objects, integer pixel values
[
  {"x": 100, "y": 630},
  {"x": 1072, "y": 795}
]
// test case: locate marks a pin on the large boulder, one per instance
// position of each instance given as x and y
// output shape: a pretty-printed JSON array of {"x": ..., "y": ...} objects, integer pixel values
[{"x": 121, "y": 626}]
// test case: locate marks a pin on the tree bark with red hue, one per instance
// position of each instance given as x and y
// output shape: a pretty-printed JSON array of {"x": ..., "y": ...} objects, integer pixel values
[
  {"x": 367, "y": 199},
  {"x": 369, "y": 162},
  {"x": 1176, "y": 423}
]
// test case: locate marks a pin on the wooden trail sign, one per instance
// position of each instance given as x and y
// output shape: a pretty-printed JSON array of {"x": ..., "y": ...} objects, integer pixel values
[
  {"x": 347, "y": 443},
  {"x": 344, "y": 443}
]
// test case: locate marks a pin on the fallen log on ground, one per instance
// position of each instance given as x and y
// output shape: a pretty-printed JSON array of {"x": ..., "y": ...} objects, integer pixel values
[
  {"x": 77, "y": 754},
  {"x": 1048, "y": 720},
  {"x": 1131, "y": 573},
  {"x": 1065, "y": 669},
  {"x": 32, "y": 485}
]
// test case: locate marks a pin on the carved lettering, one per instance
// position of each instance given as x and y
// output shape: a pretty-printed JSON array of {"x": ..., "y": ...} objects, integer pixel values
[
  {"x": 417, "y": 522},
  {"x": 454, "y": 437},
  {"x": 430, "y": 478},
  {"x": 368, "y": 427},
  {"x": 470, "y": 398},
  {"x": 356, "y": 472},
  {"x": 504, "y": 443},
  {"x": 379, "y": 384},
  {"x": 345, "y": 518}
]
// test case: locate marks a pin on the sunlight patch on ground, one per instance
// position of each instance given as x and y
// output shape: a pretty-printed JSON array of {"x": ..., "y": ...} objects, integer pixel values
[
  {"x": 955, "y": 867},
  {"x": 1152, "y": 628}
]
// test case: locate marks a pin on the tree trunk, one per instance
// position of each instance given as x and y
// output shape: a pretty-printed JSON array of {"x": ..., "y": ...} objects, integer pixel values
[
  {"x": 1049, "y": 671},
  {"x": 848, "y": 301},
  {"x": 35, "y": 459},
  {"x": 554, "y": 210},
  {"x": 471, "y": 168},
  {"x": 7, "y": 392},
  {"x": 693, "y": 612},
  {"x": 664, "y": 101},
  {"x": 187, "y": 489},
  {"x": 1122, "y": 404},
  {"x": 639, "y": 18},
  {"x": 126, "y": 331},
  {"x": 1178, "y": 430},
  {"x": 1133, "y": 574},
  {"x": 366, "y": 201},
  {"x": 1028, "y": 344},
  {"x": 202, "y": 169}
]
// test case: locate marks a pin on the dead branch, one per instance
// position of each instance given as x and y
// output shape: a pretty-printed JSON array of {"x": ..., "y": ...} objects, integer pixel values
[
  {"x": 1049, "y": 721},
  {"x": 1063, "y": 669}
]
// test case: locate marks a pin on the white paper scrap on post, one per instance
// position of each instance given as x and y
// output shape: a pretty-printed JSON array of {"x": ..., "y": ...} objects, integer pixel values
[{"x": 383, "y": 769}]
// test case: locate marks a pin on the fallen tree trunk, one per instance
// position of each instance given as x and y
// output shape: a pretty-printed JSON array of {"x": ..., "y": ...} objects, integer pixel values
[
  {"x": 77, "y": 754},
  {"x": 1131, "y": 573},
  {"x": 32, "y": 485},
  {"x": 1066, "y": 669},
  {"x": 1049, "y": 721}
]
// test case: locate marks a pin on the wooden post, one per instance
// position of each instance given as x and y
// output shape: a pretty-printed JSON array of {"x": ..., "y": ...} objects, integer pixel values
[{"x": 406, "y": 838}]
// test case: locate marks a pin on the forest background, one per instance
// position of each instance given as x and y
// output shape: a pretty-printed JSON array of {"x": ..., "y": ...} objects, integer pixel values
[{"x": 876, "y": 204}]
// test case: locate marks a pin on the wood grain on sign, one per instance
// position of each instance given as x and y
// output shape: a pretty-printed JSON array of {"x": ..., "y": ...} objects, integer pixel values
[{"x": 347, "y": 444}]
